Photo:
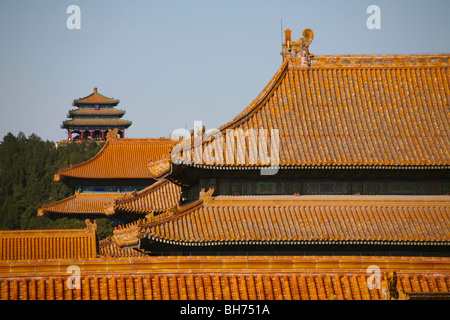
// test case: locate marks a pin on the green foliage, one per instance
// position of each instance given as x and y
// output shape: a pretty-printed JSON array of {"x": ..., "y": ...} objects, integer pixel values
[{"x": 27, "y": 167}]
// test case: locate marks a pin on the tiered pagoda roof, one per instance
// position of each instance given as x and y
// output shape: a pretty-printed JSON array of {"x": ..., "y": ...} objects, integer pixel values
[{"x": 95, "y": 112}]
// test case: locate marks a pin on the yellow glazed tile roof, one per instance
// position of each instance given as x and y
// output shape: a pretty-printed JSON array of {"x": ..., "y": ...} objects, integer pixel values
[
  {"x": 80, "y": 203},
  {"x": 58, "y": 244},
  {"x": 95, "y": 98},
  {"x": 120, "y": 158},
  {"x": 373, "y": 111},
  {"x": 300, "y": 220},
  {"x": 158, "y": 197}
]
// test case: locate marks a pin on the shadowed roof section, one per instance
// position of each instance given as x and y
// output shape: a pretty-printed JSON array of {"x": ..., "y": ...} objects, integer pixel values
[
  {"x": 158, "y": 197},
  {"x": 341, "y": 111},
  {"x": 120, "y": 158},
  {"x": 299, "y": 220}
]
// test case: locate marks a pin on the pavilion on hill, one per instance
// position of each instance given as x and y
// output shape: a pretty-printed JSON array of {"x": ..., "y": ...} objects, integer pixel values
[{"x": 94, "y": 116}]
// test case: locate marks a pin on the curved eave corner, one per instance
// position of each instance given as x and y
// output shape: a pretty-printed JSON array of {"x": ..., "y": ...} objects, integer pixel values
[
  {"x": 58, "y": 177},
  {"x": 110, "y": 209},
  {"x": 61, "y": 173},
  {"x": 41, "y": 212},
  {"x": 160, "y": 169}
]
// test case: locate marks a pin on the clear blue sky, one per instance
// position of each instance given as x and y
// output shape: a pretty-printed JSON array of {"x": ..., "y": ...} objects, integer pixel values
[{"x": 174, "y": 62}]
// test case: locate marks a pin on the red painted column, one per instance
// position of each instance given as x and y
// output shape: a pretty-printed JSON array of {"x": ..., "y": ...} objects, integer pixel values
[
  {"x": 103, "y": 134},
  {"x": 70, "y": 134},
  {"x": 123, "y": 133},
  {"x": 92, "y": 134},
  {"x": 82, "y": 135}
]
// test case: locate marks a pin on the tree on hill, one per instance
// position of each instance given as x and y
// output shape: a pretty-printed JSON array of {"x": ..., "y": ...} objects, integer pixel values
[{"x": 27, "y": 167}]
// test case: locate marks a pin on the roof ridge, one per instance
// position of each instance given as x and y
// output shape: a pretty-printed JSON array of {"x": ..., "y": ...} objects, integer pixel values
[
  {"x": 253, "y": 107},
  {"x": 149, "y": 189},
  {"x": 45, "y": 232},
  {"x": 257, "y": 102},
  {"x": 329, "y": 203},
  {"x": 139, "y": 152},
  {"x": 81, "y": 196},
  {"x": 379, "y": 60},
  {"x": 158, "y": 197},
  {"x": 111, "y": 206},
  {"x": 175, "y": 213},
  {"x": 151, "y": 221},
  {"x": 249, "y": 110},
  {"x": 41, "y": 210},
  {"x": 152, "y": 140},
  {"x": 99, "y": 194},
  {"x": 57, "y": 176}
]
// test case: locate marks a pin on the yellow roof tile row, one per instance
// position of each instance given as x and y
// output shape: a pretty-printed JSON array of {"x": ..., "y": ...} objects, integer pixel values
[
  {"x": 158, "y": 197},
  {"x": 194, "y": 278},
  {"x": 120, "y": 158},
  {"x": 303, "y": 220},
  {"x": 58, "y": 244},
  {"x": 80, "y": 203}
]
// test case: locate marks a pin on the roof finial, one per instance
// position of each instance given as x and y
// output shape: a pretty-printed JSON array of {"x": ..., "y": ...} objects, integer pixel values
[
  {"x": 298, "y": 51},
  {"x": 95, "y": 89},
  {"x": 112, "y": 135},
  {"x": 287, "y": 34}
]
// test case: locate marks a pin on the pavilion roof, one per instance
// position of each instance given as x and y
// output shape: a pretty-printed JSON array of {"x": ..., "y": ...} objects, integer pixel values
[
  {"x": 119, "y": 158},
  {"x": 158, "y": 197},
  {"x": 343, "y": 111},
  {"x": 297, "y": 220},
  {"x": 95, "y": 98},
  {"x": 81, "y": 203}
]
